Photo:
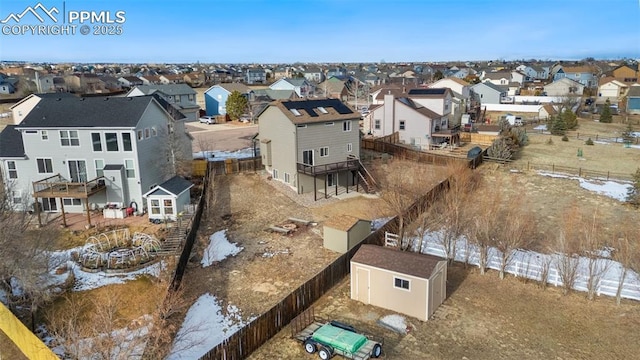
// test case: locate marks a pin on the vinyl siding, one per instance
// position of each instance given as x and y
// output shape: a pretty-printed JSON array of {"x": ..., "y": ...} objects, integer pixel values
[
  {"x": 318, "y": 135},
  {"x": 275, "y": 126}
]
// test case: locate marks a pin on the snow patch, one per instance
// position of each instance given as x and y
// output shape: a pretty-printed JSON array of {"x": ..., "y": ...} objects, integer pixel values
[
  {"x": 612, "y": 189},
  {"x": 394, "y": 322},
  {"x": 216, "y": 155},
  {"x": 206, "y": 325},
  {"x": 378, "y": 223},
  {"x": 542, "y": 127},
  {"x": 219, "y": 248}
]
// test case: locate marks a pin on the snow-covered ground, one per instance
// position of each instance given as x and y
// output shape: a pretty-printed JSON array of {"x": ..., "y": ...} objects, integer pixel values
[
  {"x": 612, "y": 189},
  {"x": 378, "y": 223},
  {"x": 216, "y": 155},
  {"x": 219, "y": 248},
  {"x": 395, "y": 322}
]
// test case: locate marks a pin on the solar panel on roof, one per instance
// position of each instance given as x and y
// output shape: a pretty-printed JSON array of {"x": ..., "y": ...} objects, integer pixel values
[
  {"x": 310, "y": 105},
  {"x": 434, "y": 91}
]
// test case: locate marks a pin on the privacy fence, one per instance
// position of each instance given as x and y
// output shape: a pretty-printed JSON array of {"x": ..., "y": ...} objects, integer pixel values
[
  {"x": 546, "y": 267},
  {"x": 264, "y": 327},
  {"x": 407, "y": 153},
  {"x": 572, "y": 171}
]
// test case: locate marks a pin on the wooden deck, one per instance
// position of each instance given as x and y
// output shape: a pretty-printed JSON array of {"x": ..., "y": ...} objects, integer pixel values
[{"x": 57, "y": 187}]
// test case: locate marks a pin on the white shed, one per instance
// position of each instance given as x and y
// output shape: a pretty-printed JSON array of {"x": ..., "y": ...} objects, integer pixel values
[
  {"x": 342, "y": 233},
  {"x": 165, "y": 201}
]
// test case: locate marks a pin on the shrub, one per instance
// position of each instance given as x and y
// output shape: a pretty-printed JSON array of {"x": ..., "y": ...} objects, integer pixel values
[
  {"x": 588, "y": 142},
  {"x": 549, "y": 141},
  {"x": 565, "y": 138},
  {"x": 605, "y": 115}
]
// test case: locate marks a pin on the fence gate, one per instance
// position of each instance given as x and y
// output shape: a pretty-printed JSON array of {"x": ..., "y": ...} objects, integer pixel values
[{"x": 391, "y": 239}]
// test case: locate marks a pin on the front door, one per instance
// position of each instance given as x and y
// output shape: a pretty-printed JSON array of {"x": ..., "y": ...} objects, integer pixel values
[
  {"x": 77, "y": 171},
  {"x": 307, "y": 157},
  {"x": 362, "y": 283}
]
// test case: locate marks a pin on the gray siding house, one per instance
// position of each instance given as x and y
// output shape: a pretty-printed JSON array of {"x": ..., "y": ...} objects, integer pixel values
[
  {"x": 488, "y": 93},
  {"x": 181, "y": 96},
  {"x": 75, "y": 154},
  {"x": 312, "y": 146}
]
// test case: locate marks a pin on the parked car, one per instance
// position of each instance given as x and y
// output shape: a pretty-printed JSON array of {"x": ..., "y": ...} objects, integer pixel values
[{"x": 208, "y": 120}]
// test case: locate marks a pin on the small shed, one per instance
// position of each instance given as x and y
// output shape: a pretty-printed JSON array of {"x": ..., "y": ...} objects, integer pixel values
[
  {"x": 342, "y": 233},
  {"x": 409, "y": 283},
  {"x": 165, "y": 201}
]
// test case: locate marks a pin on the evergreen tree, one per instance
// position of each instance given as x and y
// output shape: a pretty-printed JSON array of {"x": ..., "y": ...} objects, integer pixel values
[
  {"x": 570, "y": 119},
  {"x": 605, "y": 115},
  {"x": 501, "y": 148},
  {"x": 558, "y": 125},
  {"x": 627, "y": 134},
  {"x": 236, "y": 105},
  {"x": 633, "y": 194}
]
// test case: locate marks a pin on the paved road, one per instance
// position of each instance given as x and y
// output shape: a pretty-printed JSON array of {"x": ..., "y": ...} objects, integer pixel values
[{"x": 228, "y": 137}]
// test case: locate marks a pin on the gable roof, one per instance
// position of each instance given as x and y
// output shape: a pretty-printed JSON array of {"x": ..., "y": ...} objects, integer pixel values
[
  {"x": 87, "y": 112},
  {"x": 168, "y": 89},
  {"x": 454, "y": 79},
  {"x": 174, "y": 186},
  {"x": 570, "y": 82},
  {"x": 419, "y": 108},
  {"x": 437, "y": 92},
  {"x": 11, "y": 142},
  {"x": 403, "y": 262},
  {"x": 231, "y": 87},
  {"x": 309, "y": 113},
  {"x": 497, "y": 75},
  {"x": 275, "y": 94},
  {"x": 43, "y": 96},
  {"x": 577, "y": 69},
  {"x": 490, "y": 85},
  {"x": 343, "y": 222}
]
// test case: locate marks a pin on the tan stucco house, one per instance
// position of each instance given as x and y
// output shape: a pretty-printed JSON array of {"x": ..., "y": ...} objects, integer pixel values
[
  {"x": 342, "y": 233},
  {"x": 406, "y": 282}
]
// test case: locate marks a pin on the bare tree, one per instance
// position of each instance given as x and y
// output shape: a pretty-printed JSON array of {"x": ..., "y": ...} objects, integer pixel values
[
  {"x": 403, "y": 183},
  {"x": 568, "y": 248},
  {"x": 516, "y": 231},
  {"x": 178, "y": 150},
  {"x": 627, "y": 252},
  {"x": 592, "y": 244},
  {"x": 486, "y": 223}
]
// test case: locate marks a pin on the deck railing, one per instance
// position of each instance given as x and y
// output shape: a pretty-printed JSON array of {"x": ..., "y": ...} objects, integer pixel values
[{"x": 58, "y": 186}]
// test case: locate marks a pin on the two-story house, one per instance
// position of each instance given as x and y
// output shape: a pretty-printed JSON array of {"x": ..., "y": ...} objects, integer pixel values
[
  {"x": 301, "y": 86},
  {"x": 438, "y": 100},
  {"x": 563, "y": 87},
  {"x": 489, "y": 93},
  {"x": 78, "y": 154},
  {"x": 314, "y": 74},
  {"x": 181, "y": 96},
  {"x": 313, "y": 146},
  {"x": 130, "y": 81},
  {"x": 461, "y": 95},
  {"x": 22, "y": 108},
  {"x": 255, "y": 76},
  {"x": 585, "y": 75},
  {"x": 627, "y": 74},
  {"x": 215, "y": 97}
]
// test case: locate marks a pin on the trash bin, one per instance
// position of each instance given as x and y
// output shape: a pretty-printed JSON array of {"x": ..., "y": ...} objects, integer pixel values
[{"x": 129, "y": 211}]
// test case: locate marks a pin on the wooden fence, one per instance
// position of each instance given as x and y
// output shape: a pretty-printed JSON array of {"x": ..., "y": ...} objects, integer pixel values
[
  {"x": 568, "y": 170},
  {"x": 599, "y": 137},
  {"x": 234, "y": 166},
  {"x": 415, "y": 155},
  {"x": 259, "y": 331},
  {"x": 475, "y": 138}
]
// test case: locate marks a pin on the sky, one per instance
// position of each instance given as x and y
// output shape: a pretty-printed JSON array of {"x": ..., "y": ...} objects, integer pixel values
[{"x": 288, "y": 31}]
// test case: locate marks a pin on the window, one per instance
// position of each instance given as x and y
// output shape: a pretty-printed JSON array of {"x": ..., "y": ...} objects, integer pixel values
[
  {"x": 126, "y": 142},
  {"x": 349, "y": 147},
  {"x": 287, "y": 178},
  {"x": 275, "y": 173},
  {"x": 191, "y": 98},
  {"x": 346, "y": 126},
  {"x": 324, "y": 151},
  {"x": 96, "y": 140},
  {"x": 146, "y": 132},
  {"x": 377, "y": 124},
  {"x": 178, "y": 98},
  {"x": 16, "y": 196},
  {"x": 154, "y": 131},
  {"x": 71, "y": 202},
  {"x": 322, "y": 110},
  {"x": 155, "y": 206},
  {"x": 13, "y": 171},
  {"x": 99, "y": 167},
  {"x": 307, "y": 157},
  {"x": 69, "y": 138},
  {"x": 400, "y": 283},
  {"x": 112, "y": 141},
  {"x": 329, "y": 123},
  {"x": 402, "y": 125},
  {"x": 168, "y": 206},
  {"x": 139, "y": 132},
  {"x": 44, "y": 134},
  {"x": 45, "y": 166},
  {"x": 130, "y": 168}
]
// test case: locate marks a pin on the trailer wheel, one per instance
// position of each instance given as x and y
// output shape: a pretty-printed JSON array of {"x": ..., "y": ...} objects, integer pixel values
[
  {"x": 377, "y": 351},
  {"x": 309, "y": 346},
  {"x": 325, "y": 353}
]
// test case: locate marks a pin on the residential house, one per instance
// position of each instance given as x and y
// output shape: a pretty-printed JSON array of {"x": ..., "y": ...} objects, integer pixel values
[
  {"x": 563, "y": 87},
  {"x": 172, "y": 79},
  {"x": 585, "y": 75},
  {"x": 111, "y": 84},
  {"x": 76, "y": 154},
  {"x": 21, "y": 109},
  {"x": 301, "y": 86},
  {"x": 633, "y": 99},
  {"x": 167, "y": 200},
  {"x": 438, "y": 100},
  {"x": 461, "y": 95},
  {"x": 314, "y": 74},
  {"x": 333, "y": 88},
  {"x": 194, "y": 79},
  {"x": 313, "y": 146},
  {"x": 215, "y": 97},
  {"x": 339, "y": 72},
  {"x": 407, "y": 282},
  {"x": 501, "y": 78},
  {"x": 130, "y": 81},
  {"x": 85, "y": 83},
  {"x": 518, "y": 77},
  {"x": 627, "y": 74},
  {"x": 44, "y": 83},
  {"x": 534, "y": 72},
  {"x": 612, "y": 89},
  {"x": 280, "y": 72},
  {"x": 378, "y": 95},
  {"x": 488, "y": 93},
  {"x": 6, "y": 87},
  {"x": 416, "y": 124},
  {"x": 181, "y": 96},
  {"x": 344, "y": 232},
  {"x": 255, "y": 76},
  {"x": 151, "y": 80},
  {"x": 547, "y": 112}
]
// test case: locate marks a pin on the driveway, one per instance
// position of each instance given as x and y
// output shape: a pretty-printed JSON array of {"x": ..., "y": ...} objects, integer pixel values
[{"x": 226, "y": 137}]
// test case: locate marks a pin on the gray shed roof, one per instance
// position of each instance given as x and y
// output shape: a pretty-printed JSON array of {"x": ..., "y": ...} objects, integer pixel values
[
  {"x": 87, "y": 112},
  {"x": 403, "y": 262},
  {"x": 175, "y": 186},
  {"x": 11, "y": 142}
]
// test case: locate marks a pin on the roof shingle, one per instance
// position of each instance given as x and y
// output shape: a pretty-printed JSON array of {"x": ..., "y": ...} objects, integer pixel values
[{"x": 404, "y": 262}]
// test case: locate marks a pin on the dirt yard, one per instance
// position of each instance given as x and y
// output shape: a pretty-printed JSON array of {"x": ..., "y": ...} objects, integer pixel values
[
  {"x": 271, "y": 264},
  {"x": 487, "y": 318}
]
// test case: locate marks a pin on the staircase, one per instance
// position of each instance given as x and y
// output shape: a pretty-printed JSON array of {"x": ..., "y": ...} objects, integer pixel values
[
  {"x": 368, "y": 182},
  {"x": 172, "y": 244}
]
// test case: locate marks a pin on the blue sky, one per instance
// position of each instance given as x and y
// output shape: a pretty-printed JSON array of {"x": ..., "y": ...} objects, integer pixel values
[{"x": 274, "y": 31}]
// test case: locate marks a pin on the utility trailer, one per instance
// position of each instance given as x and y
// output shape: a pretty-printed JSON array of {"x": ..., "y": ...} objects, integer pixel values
[{"x": 329, "y": 338}]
